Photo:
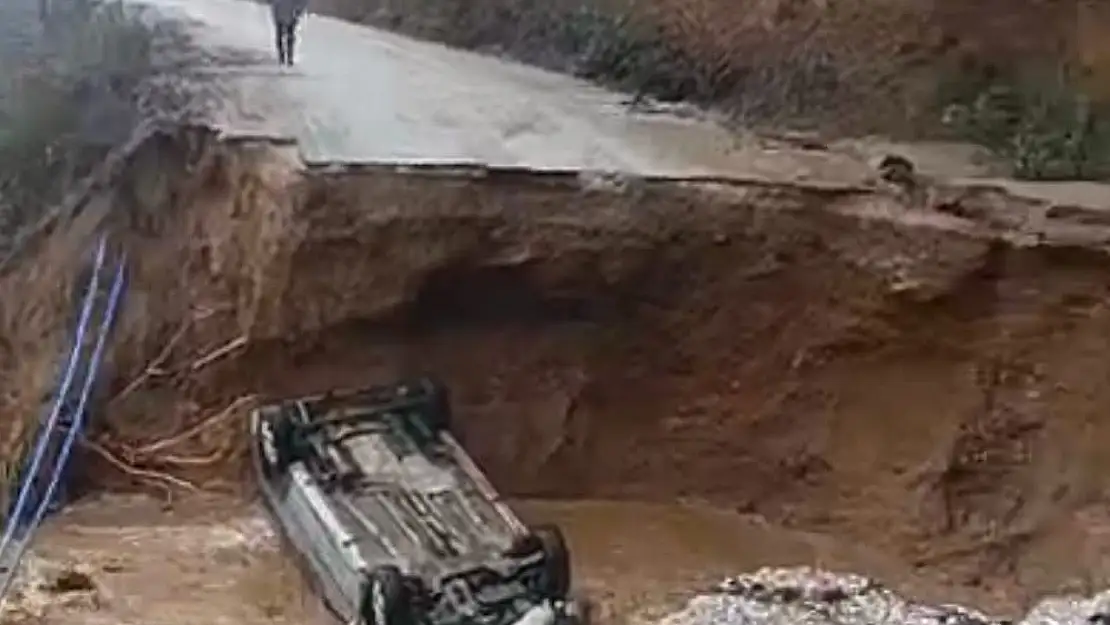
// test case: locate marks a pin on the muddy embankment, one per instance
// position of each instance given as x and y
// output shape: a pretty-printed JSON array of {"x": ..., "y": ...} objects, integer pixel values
[{"x": 829, "y": 360}]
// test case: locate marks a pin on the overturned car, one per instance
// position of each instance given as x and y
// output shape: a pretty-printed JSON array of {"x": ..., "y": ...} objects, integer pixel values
[{"x": 392, "y": 520}]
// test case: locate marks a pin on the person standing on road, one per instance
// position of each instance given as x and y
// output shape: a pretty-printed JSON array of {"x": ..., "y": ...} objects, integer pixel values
[{"x": 287, "y": 15}]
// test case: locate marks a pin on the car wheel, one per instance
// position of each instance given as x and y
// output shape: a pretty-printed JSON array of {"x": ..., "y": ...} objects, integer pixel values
[
  {"x": 524, "y": 546},
  {"x": 556, "y": 584},
  {"x": 439, "y": 414},
  {"x": 386, "y": 600},
  {"x": 285, "y": 442}
]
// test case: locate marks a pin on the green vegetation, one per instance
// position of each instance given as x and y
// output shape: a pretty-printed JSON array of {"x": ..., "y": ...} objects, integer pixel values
[{"x": 1037, "y": 120}]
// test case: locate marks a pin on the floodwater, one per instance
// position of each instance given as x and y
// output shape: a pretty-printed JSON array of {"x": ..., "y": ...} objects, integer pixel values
[
  {"x": 639, "y": 561},
  {"x": 217, "y": 560}
]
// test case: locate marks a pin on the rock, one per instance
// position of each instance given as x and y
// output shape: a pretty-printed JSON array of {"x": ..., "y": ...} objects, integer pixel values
[{"x": 896, "y": 169}]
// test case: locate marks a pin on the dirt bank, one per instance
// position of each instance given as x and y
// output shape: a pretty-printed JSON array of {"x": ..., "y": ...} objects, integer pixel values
[{"x": 829, "y": 360}]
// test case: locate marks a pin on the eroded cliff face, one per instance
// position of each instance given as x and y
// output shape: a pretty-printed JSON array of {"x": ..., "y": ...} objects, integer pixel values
[{"x": 829, "y": 359}]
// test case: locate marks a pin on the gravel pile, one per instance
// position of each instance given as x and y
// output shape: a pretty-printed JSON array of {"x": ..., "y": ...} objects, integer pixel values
[{"x": 807, "y": 596}]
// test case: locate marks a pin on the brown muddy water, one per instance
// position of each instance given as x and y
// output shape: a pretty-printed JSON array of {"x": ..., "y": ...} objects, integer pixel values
[{"x": 216, "y": 560}]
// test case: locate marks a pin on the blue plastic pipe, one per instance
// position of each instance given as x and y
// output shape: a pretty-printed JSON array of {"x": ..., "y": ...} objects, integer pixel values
[
  {"x": 47, "y": 431},
  {"x": 86, "y": 391},
  {"x": 103, "y": 332}
]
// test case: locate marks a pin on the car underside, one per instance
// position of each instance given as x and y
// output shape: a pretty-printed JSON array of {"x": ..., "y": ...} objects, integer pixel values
[{"x": 393, "y": 521}]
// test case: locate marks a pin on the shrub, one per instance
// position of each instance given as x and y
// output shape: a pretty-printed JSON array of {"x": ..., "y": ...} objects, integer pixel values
[{"x": 1036, "y": 119}]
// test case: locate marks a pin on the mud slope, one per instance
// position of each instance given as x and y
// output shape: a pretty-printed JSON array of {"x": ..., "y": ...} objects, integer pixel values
[{"x": 830, "y": 360}]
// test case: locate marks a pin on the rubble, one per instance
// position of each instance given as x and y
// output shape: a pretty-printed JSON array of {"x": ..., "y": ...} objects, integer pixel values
[{"x": 809, "y": 596}]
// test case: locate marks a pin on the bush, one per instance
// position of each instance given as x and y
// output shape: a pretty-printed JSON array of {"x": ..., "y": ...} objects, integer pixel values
[
  {"x": 70, "y": 95},
  {"x": 1037, "y": 120},
  {"x": 613, "y": 49}
]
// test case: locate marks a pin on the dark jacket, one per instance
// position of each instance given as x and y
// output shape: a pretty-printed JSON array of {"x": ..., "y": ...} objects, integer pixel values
[{"x": 288, "y": 11}]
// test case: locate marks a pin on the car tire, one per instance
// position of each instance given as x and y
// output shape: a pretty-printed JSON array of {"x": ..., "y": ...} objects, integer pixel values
[
  {"x": 385, "y": 601},
  {"x": 439, "y": 400},
  {"x": 556, "y": 583},
  {"x": 285, "y": 442},
  {"x": 437, "y": 415}
]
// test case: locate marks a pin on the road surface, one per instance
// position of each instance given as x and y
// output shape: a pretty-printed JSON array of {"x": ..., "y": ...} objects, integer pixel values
[{"x": 362, "y": 95}]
